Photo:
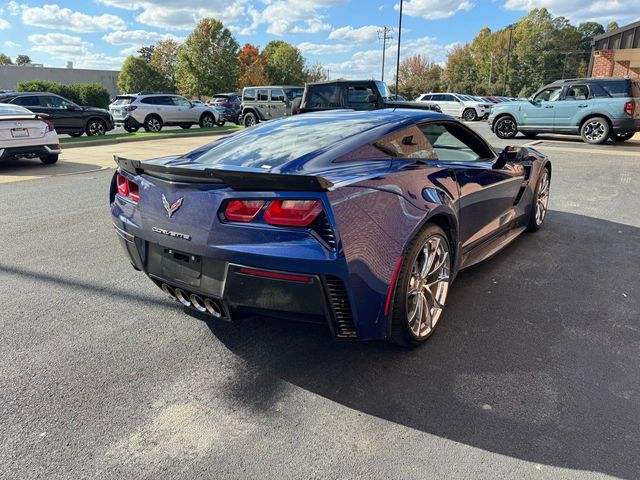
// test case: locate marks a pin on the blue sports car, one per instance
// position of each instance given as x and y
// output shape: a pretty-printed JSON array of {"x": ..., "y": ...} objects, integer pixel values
[{"x": 357, "y": 219}]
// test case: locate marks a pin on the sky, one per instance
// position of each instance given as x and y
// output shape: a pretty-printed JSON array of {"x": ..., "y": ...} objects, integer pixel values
[{"x": 342, "y": 35}]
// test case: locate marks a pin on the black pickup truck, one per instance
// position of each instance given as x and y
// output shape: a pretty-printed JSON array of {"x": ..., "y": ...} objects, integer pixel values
[{"x": 352, "y": 94}]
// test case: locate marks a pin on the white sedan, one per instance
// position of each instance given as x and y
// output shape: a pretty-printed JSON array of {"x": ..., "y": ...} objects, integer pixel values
[{"x": 26, "y": 134}]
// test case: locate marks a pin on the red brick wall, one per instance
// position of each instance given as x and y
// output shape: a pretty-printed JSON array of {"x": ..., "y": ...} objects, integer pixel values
[{"x": 604, "y": 65}]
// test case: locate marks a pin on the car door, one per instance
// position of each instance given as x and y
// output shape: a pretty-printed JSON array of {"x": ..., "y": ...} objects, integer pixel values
[
  {"x": 540, "y": 111},
  {"x": 487, "y": 194},
  {"x": 183, "y": 110},
  {"x": 262, "y": 103},
  {"x": 65, "y": 115},
  {"x": 574, "y": 105},
  {"x": 450, "y": 105},
  {"x": 164, "y": 106},
  {"x": 277, "y": 103}
]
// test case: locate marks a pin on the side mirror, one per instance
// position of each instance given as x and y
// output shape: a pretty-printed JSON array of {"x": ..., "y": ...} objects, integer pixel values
[
  {"x": 508, "y": 154},
  {"x": 191, "y": 105}
]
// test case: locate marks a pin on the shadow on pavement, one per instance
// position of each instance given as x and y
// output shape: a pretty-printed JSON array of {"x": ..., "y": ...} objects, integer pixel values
[
  {"x": 537, "y": 357},
  {"x": 34, "y": 168}
]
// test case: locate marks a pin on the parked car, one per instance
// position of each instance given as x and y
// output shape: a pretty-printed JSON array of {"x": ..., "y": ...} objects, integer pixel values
[
  {"x": 66, "y": 116},
  {"x": 27, "y": 134},
  {"x": 456, "y": 105},
  {"x": 228, "y": 105},
  {"x": 492, "y": 99},
  {"x": 152, "y": 111},
  {"x": 356, "y": 219},
  {"x": 352, "y": 94},
  {"x": 597, "y": 109},
  {"x": 266, "y": 103}
]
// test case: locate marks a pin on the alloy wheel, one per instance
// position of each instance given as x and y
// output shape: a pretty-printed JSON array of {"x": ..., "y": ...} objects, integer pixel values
[
  {"x": 594, "y": 130},
  {"x": 96, "y": 128},
  {"x": 542, "y": 202},
  {"x": 208, "y": 121},
  {"x": 506, "y": 128},
  {"x": 154, "y": 125},
  {"x": 469, "y": 115},
  {"x": 428, "y": 286}
]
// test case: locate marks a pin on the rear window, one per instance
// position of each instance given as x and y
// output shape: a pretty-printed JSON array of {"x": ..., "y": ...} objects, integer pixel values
[
  {"x": 275, "y": 143},
  {"x": 618, "y": 88},
  {"x": 123, "y": 100},
  {"x": 220, "y": 99},
  {"x": 13, "y": 110}
]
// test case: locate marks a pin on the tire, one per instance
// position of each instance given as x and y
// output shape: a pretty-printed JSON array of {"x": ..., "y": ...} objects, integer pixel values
[
  {"x": 207, "y": 120},
  {"x": 76, "y": 134},
  {"x": 185, "y": 126},
  {"x": 95, "y": 127},
  {"x": 131, "y": 126},
  {"x": 506, "y": 127},
  {"x": 540, "y": 201},
  {"x": 49, "y": 159},
  {"x": 221, "y": 122},
  {"x": 621, "y": 137},
  {"x": 406, "y": 330},
  {"x": 249, "y": 119},
  {"x": 595, "y": 130},
  {"x": 153, "y": 123},
  {"x": 469, "y": 115}
]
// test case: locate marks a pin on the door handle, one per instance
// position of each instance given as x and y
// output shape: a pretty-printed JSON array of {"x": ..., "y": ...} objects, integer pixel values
[
  {"x": 582, "y": 106},
  {"x": 548, "y": 106}
]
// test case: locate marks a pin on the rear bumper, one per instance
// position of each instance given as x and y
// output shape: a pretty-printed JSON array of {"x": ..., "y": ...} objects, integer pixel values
[
  {"x": 30, "y": 151},
  {"x": 249, "y": 287},
  {"x": 624, "y": 125}
]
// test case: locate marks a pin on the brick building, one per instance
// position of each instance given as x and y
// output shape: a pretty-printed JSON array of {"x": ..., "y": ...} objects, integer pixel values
[{"x": 617, "y": 53}]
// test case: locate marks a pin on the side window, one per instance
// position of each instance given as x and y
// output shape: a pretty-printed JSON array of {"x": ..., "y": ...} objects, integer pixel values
[
  {"x": 49, "y": 101},
  {"x": 358, "y": 97},
  {"x": 263, "y": 95},
  {"x": 438, "y": 97},
  {"x": 324, "y": 96},
  {"x": 427, "y": 97},
  {"x": 249, "y": 95},
  {"x": 407, "y": 143},
  {"x": 30, "y": 101},
  {"x": 453, "y": 142},
  {"x": 550, "y": 94},
  {"x": 148, "y": 100},
  {"x": 577, "y": 92},
  {"x": 277, "y": 95},
  {"x": 618, "y": 88},
  {"x": 181, "y": 102},
  {"x": 164, "y": 100},
  {"x": 448, "y": 98}
]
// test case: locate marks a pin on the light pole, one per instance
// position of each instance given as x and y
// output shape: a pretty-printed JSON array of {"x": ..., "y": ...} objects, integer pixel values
[
  {"x": 506, "y": 67},
  {"x": 398, "y": 59},
  {"x": 384, "y": 35}
]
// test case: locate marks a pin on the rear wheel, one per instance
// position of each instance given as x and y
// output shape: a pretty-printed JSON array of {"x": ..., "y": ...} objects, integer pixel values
[
  {"x": 506, "y": 127},
  {"x": 469, "y": 115},
  {"x": 49, "y": 159},
  {"x": 421, "y": 287},
  {"x": 595, "y": 130},
  {"x": 153, "y": 124},
  {"x": 131, "y": 126},
  {"x": 96, "y": 127},
  {"x": 221, "y": 122},
  {"x": 207, "y": 120},
  {"x": 540, "y": 201},
  {"x": 249, "y": 119},
  {"x": 621, "y": 137}
]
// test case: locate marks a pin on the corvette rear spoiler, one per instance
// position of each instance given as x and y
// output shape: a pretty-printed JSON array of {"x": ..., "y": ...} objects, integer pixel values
[{"x": 237, "y": 180}]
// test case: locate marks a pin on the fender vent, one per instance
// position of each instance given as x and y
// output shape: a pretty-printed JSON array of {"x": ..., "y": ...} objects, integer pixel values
[
  {"x": 322, "y": 227},
  {"x": 341, "y": 308}
]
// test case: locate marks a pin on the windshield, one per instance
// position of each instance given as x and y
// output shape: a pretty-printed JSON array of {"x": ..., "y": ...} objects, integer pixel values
[
  {"x": 13, "y": 110},
  {"x": 277, "y": 142},
  {"x": 384, "y": 90},
  {"x": 292, "y": 93},
  {"x": 220, "y": 99}
]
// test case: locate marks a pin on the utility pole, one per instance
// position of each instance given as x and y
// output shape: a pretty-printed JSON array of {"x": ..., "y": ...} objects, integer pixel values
[
  {"x": 384, "y": 35},
  {"x": 564, "y": 64},
  {"x": 490, "y": 69},
  {"x": 398, "y": 59},
  {"x": 506, "y": 67}
]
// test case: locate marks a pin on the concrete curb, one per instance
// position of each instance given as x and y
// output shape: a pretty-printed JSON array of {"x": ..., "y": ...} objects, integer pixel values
[{"x": 115, "y": 141}]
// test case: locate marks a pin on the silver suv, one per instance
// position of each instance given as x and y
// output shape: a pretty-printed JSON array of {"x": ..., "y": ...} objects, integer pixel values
[
  {"x": 266, "y": 103},
  {"x": 155, "y": 110}
]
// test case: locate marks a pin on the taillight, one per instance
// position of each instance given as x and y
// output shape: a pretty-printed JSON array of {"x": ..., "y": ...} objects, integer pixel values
[
  {"x": 292, "y": 213},
  {"x": 228, "y": 104},
  {"x": 127, "y": 188},
  {"x": 50, "y": 126},
  {"x": 242, "y": 210},
  {"x": 130, "y": 108},
  {"x": 630, "y": 108}
]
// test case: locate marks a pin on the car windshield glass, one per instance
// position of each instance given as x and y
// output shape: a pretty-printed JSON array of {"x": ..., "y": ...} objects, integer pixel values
[
  {"x": 219, "y": 99},
  {"x": 277, "y": 142},
  {"x": 384, "y": 90},
  {"x": 123, "y": 100},
  {"x": 292, "y": 93},
  {"x": 13, "y": 110}
]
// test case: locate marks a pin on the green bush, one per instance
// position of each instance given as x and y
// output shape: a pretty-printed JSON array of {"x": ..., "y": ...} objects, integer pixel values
[{"x": 87, "y": 94}]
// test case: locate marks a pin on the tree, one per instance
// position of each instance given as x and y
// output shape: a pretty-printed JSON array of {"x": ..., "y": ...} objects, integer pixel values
[
  {"x": 612, "y": 26},
  {"x": 146, "y": 53},
  {"x": 136, "y": 75},
  {"x": 316, "y": 73},
  {"x": 252, "y": 67},
  {"x": 23, "y": 60},
  {"x": 285, "y": 63},
  {"x": 208, "y": 60},
  {"x": 418, "y": 75},
  {"x": 460, "y": 73},
  {"x": 5, "y": 59},
  {"x": 164, "y": 60}
]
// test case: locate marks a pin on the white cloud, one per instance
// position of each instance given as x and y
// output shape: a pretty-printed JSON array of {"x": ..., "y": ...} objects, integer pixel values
[
  {"x": 65, "y": 47},
  {"x": 58, "y": 18},
  {"x": 367, "y": 34},
  {"x": 4, "y": 24},
  {"x": 284, "y": 17},
  {"x": 323, "y": 48},
  {"x": 10, "y": 44},
  {"x": 581, "y": 10},
  {"x": 434, "y": 9},
  {"x": 137, "y": 37}
]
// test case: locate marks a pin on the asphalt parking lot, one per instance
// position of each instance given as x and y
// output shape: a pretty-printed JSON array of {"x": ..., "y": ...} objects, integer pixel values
[{"x": 534, "y": 371}]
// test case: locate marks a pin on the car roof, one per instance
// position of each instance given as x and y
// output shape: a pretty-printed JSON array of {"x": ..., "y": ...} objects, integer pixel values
[
  {"x": 276, "y": 86},
  {"x": 589, "y": 79}
]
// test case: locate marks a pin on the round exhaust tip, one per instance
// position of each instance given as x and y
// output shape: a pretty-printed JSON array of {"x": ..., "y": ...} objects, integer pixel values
[
  {"x": 182, "y": 297},
  {"x": 168, "y": 291},
  {"x": 197, "y": 303},
  {"x": 213, "y": 308}
]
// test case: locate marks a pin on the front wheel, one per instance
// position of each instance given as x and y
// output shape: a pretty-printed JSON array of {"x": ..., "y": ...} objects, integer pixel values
[
  {"x": 506, "y": 127},
  {"x": 49, "y": 159},
  {"x": 249, "y": 119},
  {"x": 421, "y": 287},
  {"x": 540, "y": 201},
  {"x": 96, "y": 127},
  {"x": 595, "y": 130},
  {"x": 469, "y": 115},
  {"x": 207, "y": 121},
  {"x": 621, "y": 137}
]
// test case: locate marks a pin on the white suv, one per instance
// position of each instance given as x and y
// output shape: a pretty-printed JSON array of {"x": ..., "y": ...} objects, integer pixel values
[
  {"x": 154, "y": 110},
  {"x": 457, "y": 105}
]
